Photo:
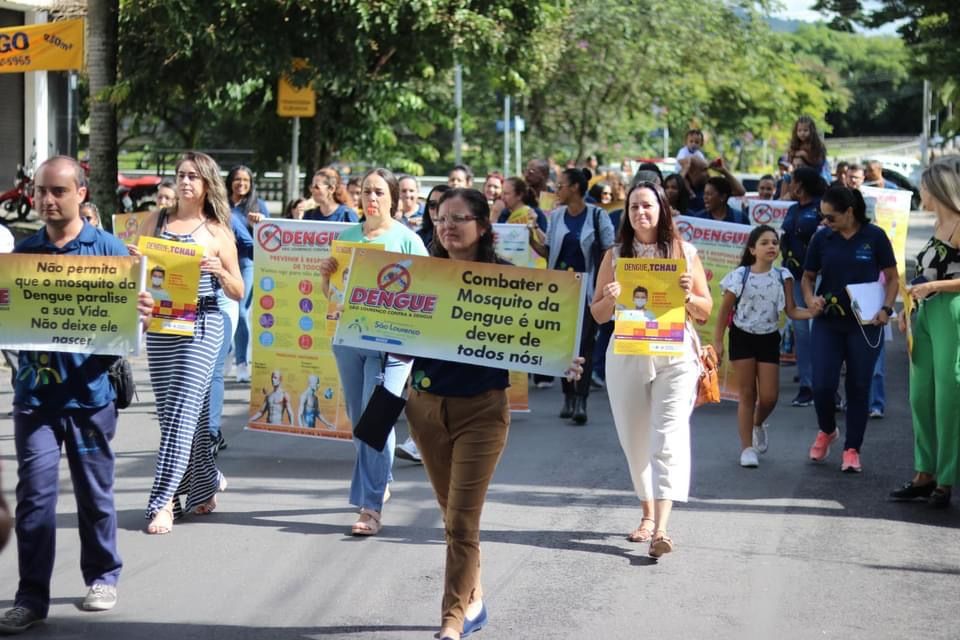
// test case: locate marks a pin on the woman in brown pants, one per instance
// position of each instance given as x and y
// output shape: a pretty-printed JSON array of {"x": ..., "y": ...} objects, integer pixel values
[{"x": 459, "y": 417}]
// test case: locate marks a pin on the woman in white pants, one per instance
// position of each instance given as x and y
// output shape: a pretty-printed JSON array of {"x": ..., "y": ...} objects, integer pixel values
[{"x": 652, "y": 396}]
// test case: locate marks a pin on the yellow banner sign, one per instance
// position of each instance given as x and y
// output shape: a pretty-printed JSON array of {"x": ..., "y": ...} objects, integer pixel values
[
  {"x": 650, "y": 316},
  {"x": 126, "y": 226},
  {"x": 52, "y": 46},
  {"x": 293, "y": 101},
  {"x": 472, "y": 312},
  {"x": 173, "y": 281},
  {"x": 74, "y": 304}
]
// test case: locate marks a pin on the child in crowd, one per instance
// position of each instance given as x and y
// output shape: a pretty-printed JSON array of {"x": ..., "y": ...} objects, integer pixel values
[
  {"x": 754, "y": 295},
  {"x": 693, "y": 141},
  {"x": 807, "y": 148}
]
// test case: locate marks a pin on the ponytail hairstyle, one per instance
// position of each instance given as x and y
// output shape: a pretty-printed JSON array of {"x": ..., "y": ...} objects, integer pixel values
[
  {"x": 332, "y": 179},
  {"x": 842, "y": 198},
  {"x": 748, "y": 259},
  {"x": 580, "y": 178}
]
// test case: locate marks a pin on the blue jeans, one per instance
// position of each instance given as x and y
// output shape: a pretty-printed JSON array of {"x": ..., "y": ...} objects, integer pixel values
[
  {"x": 229, "y": 310},
  {"x": 361, "y": 370},
  {"x": 878, "y": 397},
  {"x": 801, "y": 340},
  {"x": 85, "y": 434},
  {"x": 244, "y": 332},
  {"x": 833, "y": 344}
]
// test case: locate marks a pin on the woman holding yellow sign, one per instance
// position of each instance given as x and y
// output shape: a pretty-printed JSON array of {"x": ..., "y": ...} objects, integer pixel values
[
  {"x": 181, "y": 366},
  {"x": 652, "y": 396},
  {"x": 360, "y": 369},
  {"x": 459, "y": 416}
]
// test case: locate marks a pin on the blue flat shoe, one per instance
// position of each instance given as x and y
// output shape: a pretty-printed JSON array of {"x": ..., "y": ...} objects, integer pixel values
[{"x": 469, "y": 626}]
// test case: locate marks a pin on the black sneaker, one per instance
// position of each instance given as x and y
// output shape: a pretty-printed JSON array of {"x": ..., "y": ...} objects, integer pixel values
[
  {"x": 18, "y": 620},
  {"x": 804, "y": 397}
]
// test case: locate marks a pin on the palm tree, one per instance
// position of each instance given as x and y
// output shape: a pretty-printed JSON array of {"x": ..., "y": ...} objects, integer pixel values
[{"x": 101, "y": 37}]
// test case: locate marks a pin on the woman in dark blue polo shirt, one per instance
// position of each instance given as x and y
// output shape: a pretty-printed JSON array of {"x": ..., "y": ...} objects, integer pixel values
[
  {"x": 459, "y": 417},
  {"x": 799, "y": 225},
  {"x": 850, "y": 250}
]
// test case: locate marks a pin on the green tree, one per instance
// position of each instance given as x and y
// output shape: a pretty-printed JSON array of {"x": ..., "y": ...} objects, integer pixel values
[{"x": 102, "y": 69}]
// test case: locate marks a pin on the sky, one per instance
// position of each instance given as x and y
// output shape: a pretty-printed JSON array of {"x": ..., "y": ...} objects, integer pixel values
[{"x": 800, "y": 10}]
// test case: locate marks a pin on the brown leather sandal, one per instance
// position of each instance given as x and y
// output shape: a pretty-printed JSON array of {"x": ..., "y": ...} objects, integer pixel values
[
  {"x": 368, "y": 524},
  {"x": 661, "y": 544},
  {"x": 642, "y": 533}
]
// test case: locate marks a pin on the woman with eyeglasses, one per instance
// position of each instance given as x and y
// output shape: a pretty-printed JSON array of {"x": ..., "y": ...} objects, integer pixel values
[
  {"x": 850, "y": 250},
  {"x": 934, "y": 379},
  {"x": 652, "y": 396},
  {"x": 426, "y": 231},
  {"x": 331, "y": 198},
  {"x": 248, "y": 209},
  {"x": 577, "y": 236},
  {"x": 181, "y": 367},
  {"x": 362, "y": 369},
  {"x": 459, "y": 416}
]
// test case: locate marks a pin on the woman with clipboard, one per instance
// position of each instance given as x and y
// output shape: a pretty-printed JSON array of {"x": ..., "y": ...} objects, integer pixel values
[{"x": 850, "y": 250}]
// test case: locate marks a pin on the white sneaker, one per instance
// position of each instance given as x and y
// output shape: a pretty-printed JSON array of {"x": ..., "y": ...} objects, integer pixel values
[
  {"x": 407, "y": 450},
  {"x": 544, "y": 384},
  {"x": 243, "y": 372},
  {"x": 760, "y": 438},
  {"x": 748, "y": 458}
]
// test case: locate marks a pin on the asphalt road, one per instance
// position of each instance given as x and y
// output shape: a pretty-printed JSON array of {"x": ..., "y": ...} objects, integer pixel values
[{"x": 790, "y": 550}]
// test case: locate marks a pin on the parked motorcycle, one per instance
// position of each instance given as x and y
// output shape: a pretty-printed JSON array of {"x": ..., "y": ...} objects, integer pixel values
[
  {"x": 133, "y": 193},
  {"x": 19, "y": 199}
]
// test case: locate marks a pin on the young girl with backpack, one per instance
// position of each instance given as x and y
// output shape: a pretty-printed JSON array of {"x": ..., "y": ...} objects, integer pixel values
[{"x": 754, "y": 294}]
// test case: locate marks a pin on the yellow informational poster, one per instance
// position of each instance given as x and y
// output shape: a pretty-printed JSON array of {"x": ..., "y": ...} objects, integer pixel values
[
  {"x": 343, "y": 252},
  {"x": 50, "y": 46},
  {"x": 650, "y": 314},
  {"x": 719, "y": 246},
  {"x": 518, "y": 394},
  {"x": 75, "y": 304},
  {"x": 173, "y": 279},
  {"x": 908, "y": 308},
  {"x": 547, "y": 201},
  {"x": 890, "y": 209},
  {"x": 471, "y": 312},
  {"x": 295, "y": 387},
  {"x": 126, "y": 226}
]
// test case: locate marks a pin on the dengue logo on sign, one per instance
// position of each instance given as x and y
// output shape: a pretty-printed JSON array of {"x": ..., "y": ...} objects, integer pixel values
[
  {"x": 763, "y": 214},
  {"x": 269, "y": 238},
  {"x": 685, "y": 229},
  {"x": 394, "y": 277}
]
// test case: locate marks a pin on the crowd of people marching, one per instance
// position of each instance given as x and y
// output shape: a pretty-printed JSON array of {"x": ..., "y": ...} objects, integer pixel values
[{"x": 579, "y": 219}]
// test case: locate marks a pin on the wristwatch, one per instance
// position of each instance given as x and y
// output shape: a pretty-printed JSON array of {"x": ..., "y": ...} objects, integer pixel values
[{"x": 887, "y": 310}]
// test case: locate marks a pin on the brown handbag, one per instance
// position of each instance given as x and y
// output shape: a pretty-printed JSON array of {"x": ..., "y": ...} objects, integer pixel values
[{"x": 708, "y": 386}]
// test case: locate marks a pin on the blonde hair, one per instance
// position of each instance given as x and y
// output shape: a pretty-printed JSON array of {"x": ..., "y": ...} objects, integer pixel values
[
  {"x": 215, "y": 206},
  {"x": 942, "y": 182}
]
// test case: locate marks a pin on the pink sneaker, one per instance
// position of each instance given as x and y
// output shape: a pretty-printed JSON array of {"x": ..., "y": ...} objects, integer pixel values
[
  {"x": 851, "y": 462},
  {"x": 821, "y": 446}
]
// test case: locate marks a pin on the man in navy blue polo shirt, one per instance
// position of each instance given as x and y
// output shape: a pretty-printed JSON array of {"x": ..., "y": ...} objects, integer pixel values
[{"x": 73, "y": 408}]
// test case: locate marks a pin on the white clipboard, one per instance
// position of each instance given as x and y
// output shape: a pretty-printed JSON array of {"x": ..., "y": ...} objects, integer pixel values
[{"x": 866, "y": 300}]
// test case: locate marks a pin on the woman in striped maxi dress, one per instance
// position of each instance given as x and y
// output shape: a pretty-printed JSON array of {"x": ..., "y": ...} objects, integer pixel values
[{"x": 181, "y": 367}]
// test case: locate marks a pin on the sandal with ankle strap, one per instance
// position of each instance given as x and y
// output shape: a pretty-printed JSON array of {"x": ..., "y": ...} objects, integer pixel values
[
  {"x": 642, "y": 533},
  {"x": 368, "y": 524},
  {"x": 660, "y": 545}
]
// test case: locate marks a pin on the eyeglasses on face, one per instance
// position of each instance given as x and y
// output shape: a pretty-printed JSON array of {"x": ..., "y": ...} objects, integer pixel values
[
  {"x": 453, "y": 220},
  {"x": 189, "y": 176}
]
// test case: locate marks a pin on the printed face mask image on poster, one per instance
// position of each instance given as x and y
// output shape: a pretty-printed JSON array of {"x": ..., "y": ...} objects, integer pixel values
[
  {"x": 650, "y": 315},
  {"x": 173, "y": 279},
  {"x": 295, "y": 386},
  {"x": 471, "y": 312}
]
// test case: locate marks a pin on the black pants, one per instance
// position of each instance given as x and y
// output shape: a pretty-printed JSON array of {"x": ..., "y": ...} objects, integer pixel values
[{"x": 588, "y": 336}]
